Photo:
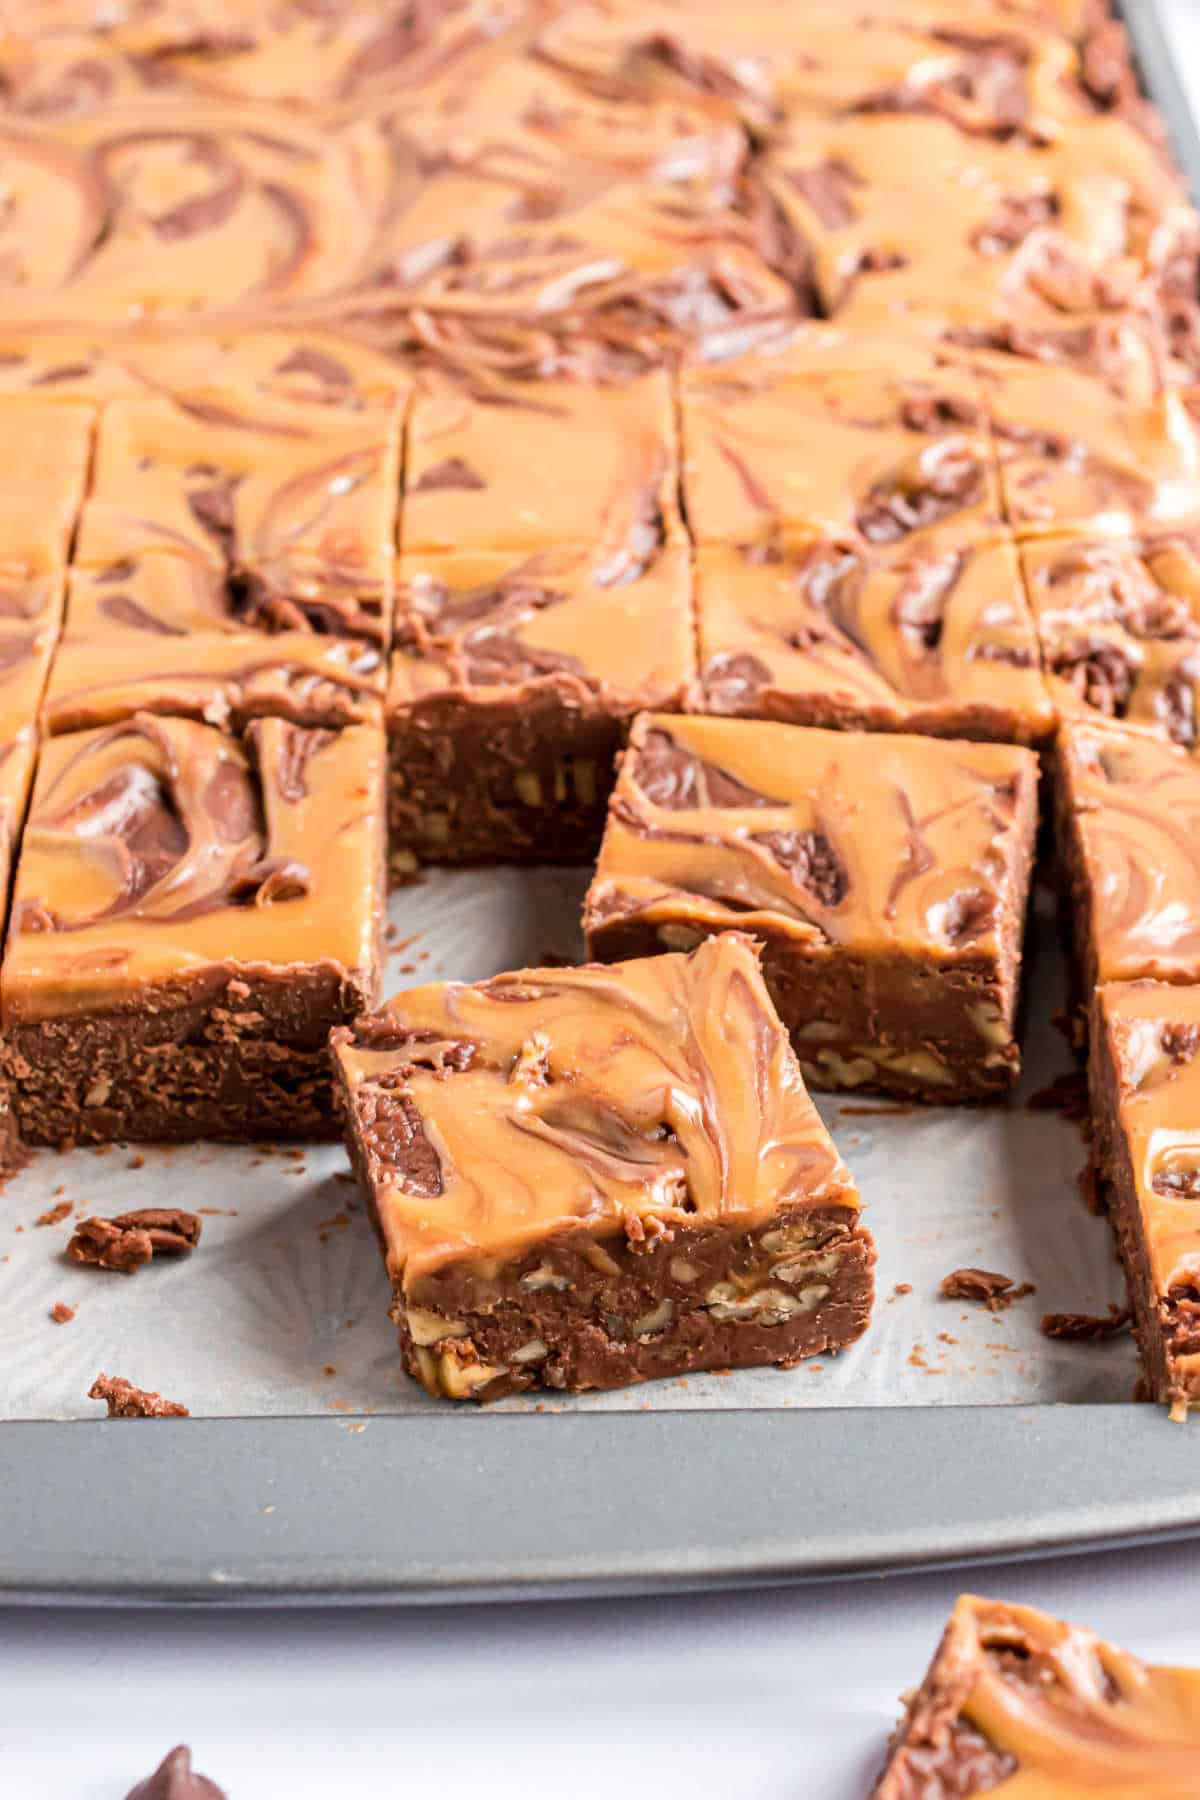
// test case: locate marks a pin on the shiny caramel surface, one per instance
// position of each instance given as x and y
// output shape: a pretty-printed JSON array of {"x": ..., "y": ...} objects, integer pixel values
[
  {"x": 831, "y": 838},
  {"x": 663, "y": 1090},
  {"x": 160, "y": 849}
]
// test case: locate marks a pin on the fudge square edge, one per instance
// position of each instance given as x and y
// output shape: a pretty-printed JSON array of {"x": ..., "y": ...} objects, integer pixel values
[
  {"x": 885, "y": 876},
  {"x": 192, "y": 912},
  {"x": 587, "y": 1177}
]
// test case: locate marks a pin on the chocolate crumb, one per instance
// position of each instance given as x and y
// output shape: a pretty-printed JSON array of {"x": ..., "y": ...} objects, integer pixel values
[
  {"x": 61, "y": 1313},
  {"x": 130, "y": 1239},
  {"x": 1085, "y": 1328},
  {"x": 903, "y": 1287},
  {"x": 175, "y": 1779},
  {"x": 125, "y": 1401},
  {"x": 55, "y": 1215},
  {"x": 985, "y": 1287}
]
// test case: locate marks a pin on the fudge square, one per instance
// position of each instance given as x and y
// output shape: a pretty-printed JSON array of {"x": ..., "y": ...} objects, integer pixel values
[
  {"x": 1018, "y": 1702},
  {"x": 192, "y": 912},
  {"x": 886, "y": 879},
  {"x": 513, "y": 681},
  {"x": 1128, "y": 826},
  {"x": 1144, "y": 1082},
  {"x": 588, "y": 1177}
]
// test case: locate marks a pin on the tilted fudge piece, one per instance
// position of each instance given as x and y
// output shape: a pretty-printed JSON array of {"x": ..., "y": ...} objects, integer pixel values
[
  {"x": 874, "y": 442},
  {"x": 1119, "y": 623},
  {"x": 523, "y": 467},
  {"x": 192, "y": 913},
  {"x": 940, "y": 642},
  {"x": 1144, "y": 1084},
  {"x": 513, "y": 681},
  {"x": 1079, "y": 451},
  {"x": 1128, "y": 826},
  {"x": 1017, "y": 1702},
  {"x": 885, "y": 877},
  {"x": 587, "y": 1177},
  {"x": 203, "y": 518}
]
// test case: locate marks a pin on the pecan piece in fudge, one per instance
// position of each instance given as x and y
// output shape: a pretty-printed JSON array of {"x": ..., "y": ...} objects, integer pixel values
[
  {"x": 886, "y": 878},
  {"x": 1144, "y": 1077},
  {"x": 1018, "y": 1702},
  {"x": 587, "y": 1177},
  {"x": 513, "y": 682},
  {"x": 939, "y": 642},
  {"x": 1118, "y": 619},
  {"x": 192, "y": 912},
  {"x": 1128, "y": 824}
]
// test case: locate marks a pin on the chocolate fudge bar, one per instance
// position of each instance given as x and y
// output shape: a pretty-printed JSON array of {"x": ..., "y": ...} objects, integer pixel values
[
  {"x": 1118, "y": 619},
  {"x": 513, "y": 681},
  {"x": 823, "y": 634},
  {"x": 192, "y": 912},
  {"x": 1018, "y": 1702},
  {"x": 885, "y": 878},
  {"x": 203, "y": 519},
  {"x": 1144, "y": 1082},
  {"x": 587, "y": 1177},
  {"x": 509, "y": 466},
  {"x": 1128, "y": 824}
]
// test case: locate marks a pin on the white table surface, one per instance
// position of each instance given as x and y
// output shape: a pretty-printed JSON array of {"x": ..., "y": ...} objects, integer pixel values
[{"x": 771, "y": 1695}]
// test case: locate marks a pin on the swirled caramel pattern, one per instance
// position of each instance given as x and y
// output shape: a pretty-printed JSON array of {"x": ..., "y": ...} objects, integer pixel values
[
  {"x": 1118, "y": 620},
  {"x": 838, "y": 838},
  {"x": 1024, "y": 1706},
  {"x": 505, "y": 467},
  {"x": 160, "y": 849},
  {"x": 823, "y": 634},
  {"x": 556, "y": 1098},
  {"x": 203, "y": 517},
  {"x": 1132, "y": 804}
]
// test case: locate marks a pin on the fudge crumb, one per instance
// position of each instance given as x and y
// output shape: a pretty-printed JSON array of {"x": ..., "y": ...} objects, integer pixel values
[
  {"x": 985, "y": 1287},
  {"x": 55, "y": 1215},
  {"x": 125, "y": 1401},
  {"x": 1085, "y": 1328},
  {"x": 903, "y": 1287},
  {"x": 1066, "y": 1094},
  {"x": 136, "y": 1162},
  {"x": 61, "y": 1313},
  {"x": 175, "y": 1779},
  {"x": 131, "y": 1239}
]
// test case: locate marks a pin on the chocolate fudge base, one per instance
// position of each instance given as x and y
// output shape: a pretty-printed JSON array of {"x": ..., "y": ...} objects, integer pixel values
[
  {"x": 582, "y": 1312},
  {"x": 526, "y": 780},
  {"x": 935, "y": 1754},
  {"x": 1166, "y": 1328},
  {"x": 891, "y": 1024},
  {"x": 227, "y": 1062}
]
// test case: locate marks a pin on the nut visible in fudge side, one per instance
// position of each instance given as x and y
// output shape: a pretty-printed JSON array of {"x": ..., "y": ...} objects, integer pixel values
[{"x": 586, "y": 1177}]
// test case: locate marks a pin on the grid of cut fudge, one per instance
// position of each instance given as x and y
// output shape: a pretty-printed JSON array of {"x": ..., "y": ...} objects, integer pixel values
[
  {"x": 1118, "y": 619},
  {"x": 823, "y": 634},
  {"x": 235, "y": 514},
  {"x": 1017, "y": 1701},
  {"x": 1128, "y": 831},
  {"x": 886, "y": 879},
  {"x": 1144, "y": 1080},
  {"x": 513, "y": 681},
  {"x": 587, "y": 1177},
  {"x": 192, "y": 912},
  {"x": 510, "y": 466},
  {"x": 871, "y": 441}
]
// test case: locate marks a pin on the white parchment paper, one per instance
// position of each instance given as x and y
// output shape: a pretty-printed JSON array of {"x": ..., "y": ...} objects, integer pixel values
[{"x": 283, "y": 1309}]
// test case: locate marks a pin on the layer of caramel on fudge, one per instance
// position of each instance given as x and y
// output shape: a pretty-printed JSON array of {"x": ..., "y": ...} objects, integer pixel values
[
  {"x": 203, "y": 518},
  {"x": 514, "y": 467},
  {"x": 555, "y": 1100},
  {"x": 1118, "y": 620},
  {"x": 1026, "y": 1706},
  {"x": 870, "y": 440},
  {"x": 161, "y": 851},
  {"x": 1129, "y": 813},
  {"x": 939, "y": 641}
]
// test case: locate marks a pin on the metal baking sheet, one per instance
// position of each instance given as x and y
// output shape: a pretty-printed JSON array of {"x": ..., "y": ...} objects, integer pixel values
[{"x": 312, "y": 1469}]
